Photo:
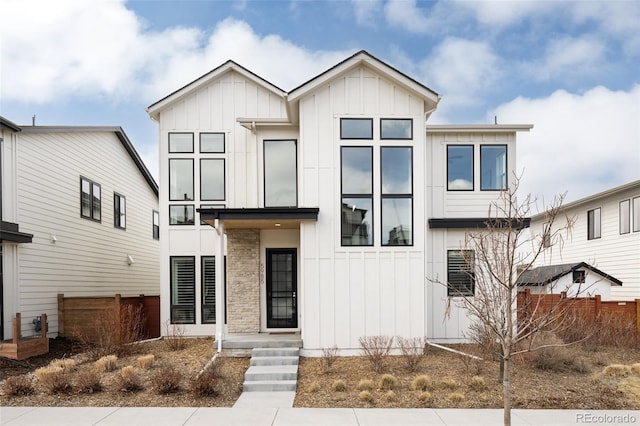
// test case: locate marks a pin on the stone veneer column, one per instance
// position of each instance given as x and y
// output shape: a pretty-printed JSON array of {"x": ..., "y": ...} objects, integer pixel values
[{"x": 243, "y": 280}]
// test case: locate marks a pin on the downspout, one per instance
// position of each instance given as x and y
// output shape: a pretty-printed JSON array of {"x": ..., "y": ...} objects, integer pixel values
[{"x": 220, "y": 296}]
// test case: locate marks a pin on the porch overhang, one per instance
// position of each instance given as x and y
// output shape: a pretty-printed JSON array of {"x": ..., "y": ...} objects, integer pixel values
[
  {"x": 461, "y": 223},
  {"x": 9, "y": 232},
  {"x": 259, "y": 218}
]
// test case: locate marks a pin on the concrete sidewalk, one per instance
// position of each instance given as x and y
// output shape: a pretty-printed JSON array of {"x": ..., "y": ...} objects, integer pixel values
[{"x": 174, "y": 416}]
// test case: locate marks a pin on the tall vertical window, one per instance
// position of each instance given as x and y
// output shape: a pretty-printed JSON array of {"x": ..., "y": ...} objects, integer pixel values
[
  {"x": 546, "y": 235},
  {"x": 156, "y": 225},
  {"x": 181, "y": 143},
  {"x": 625, "y": 216},
  {"x": 183, "y": 290},
  {"x": 356, "y": 128},
  {"x": 397, "y": 195},
  {"x": 593, "y": 224},
  {"x": 460, "y": 273},
  {"x": 208, "y": 280},
  {"x": 636, "y": 214},
  {"x": 396, "y": 128},
  {"x": 460, "y": 167},
  {"x": 212, "y": 143},
  {"x": 280, "y": 173},
  {"x": 357, "y": 195},
  {"x": 212, "y": 179},
  {"x": 90, "y": 200},
  {"x": 493, "y": 167},
  {"x": 119, "y": 211},
  {"x": 180, "y": 179}
]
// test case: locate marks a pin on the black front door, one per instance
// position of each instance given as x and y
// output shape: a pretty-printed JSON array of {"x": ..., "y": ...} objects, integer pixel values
[{"x": 282, "y": 309}]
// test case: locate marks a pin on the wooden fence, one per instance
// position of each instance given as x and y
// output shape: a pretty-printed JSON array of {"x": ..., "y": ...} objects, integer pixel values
[
  {"x": 82, "y": 314},
  {"x": 588, "y": 308}
]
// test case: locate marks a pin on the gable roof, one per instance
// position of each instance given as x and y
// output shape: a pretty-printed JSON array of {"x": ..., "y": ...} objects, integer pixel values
[
  {"x": 544, "y": 275},
  {"x": 120, "y": 134},
  {"x": 9, "y": 125}
]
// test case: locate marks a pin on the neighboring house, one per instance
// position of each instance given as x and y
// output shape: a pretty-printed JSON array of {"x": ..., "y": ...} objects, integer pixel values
[
  {"x": 606, "y": 234},
  {"x": 332, "y": 203},
  {"x": 574, "y": 279},
  {"x": 79, "y": 217}
]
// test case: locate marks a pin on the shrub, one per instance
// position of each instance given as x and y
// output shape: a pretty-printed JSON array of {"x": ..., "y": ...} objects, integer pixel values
[
  {"x": 477, "y": 383},
  {"x": 390, "y": 396},
  {"x": 455, "y": 397},
  {"x": 18, "y": 386},
  {"x": 424, "y": 396},
  {"x": 365, "y": 396},
  {"x": 376, "y": 348},
  {"x": 635, "y": 368},
  {"x": 329, "y": 357},
  {"x": 174, "y": 336},
  {"x": 313, "y": 387},
  {"x": 616, "y": 370},
  {"x": 166, "y": 381},
  {"x": 365, "y": 384},
  {"x": 422, "y": 383},
  {"x": 146, "y": 361},
  {"x": 205, "y": 384},
  {"x": 88, "y": 381},
  {"x": 66, "y": 364},
  {"x": 554, "y": 355},
  {"x": 412, "y": 351},
  {"x": 54, "y": 379},
  {"x": 388, "y": 382},
  {"x": 129, "y": 380},
  {"x": 107, "y": 363},
  {"x": 447, "y": 383},
  {"x": 339, "y": 386}
]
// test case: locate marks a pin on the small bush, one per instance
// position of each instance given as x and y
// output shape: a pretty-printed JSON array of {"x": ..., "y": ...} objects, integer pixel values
[
  {"x": 365, "y": 384},
  {"x": 88, "y": 381},
  {"x": 205, "y": 383},
  {"x": 413, "y": 351},
  {"x": 455, "y": 397},
  {"x": 422, "y": 383},
  {"x": 54, "y": 379},
  {"x": 107, "y": 363},
  {"x": 18, "y": 386},
  {"x": 166, "y": 381},
  {"x": 129, "y": 380},
  {"x": 554, "y": 355},
  {"x": 447, "y": 383},
  {"x": 616, "y": 370},
  {"x": 477, "y": 383},
  {"x": 635, "y": 368},
  {"x": 329, "y": 357},
  {"x": 339, "y": 386},
  {"x": 390, "y": 396},
  {"x": 174, "y": 337},
  {"x": 388, "y": 382},
  {"x": 146, "y": 361},
  {"x": 365, "y": 396},
  {"x": 66, "y": 364},
  {"x": 424, "y": 396},
  {"x": 376, "y": 348},
  {"x": 313, "y": 387}
]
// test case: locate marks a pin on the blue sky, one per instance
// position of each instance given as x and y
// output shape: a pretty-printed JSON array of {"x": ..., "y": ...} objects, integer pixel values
[{"x": 570, "y": 68}]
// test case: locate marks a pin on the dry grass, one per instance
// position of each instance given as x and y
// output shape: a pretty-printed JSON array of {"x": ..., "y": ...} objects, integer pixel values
[
  {"x": 616, "y": 370},
  {"x": 18, "y": 386},
  {"x": 339, "y": 386},
  {"x": 107, "y": 363},
  {"x": 166, "y": 381},
  {"x": 388, "y": 382},
  {"x": 478, "y": 384},
  {"x": 365, "y": 384},
  {"x": 422, "y": 383},
  {"x": 87, "y": 381},
  {"x": 54, "y": 379},
  {"x": 146, "y": 361}
]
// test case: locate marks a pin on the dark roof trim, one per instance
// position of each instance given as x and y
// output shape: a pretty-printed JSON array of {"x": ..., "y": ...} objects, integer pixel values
[
  {"x": 9, "y": 232},
  {"x": 557, "y": 272},
  {"x": 9, "y": 125},
  {"x": 267, "y": 213},
  {"x": 456, "y": 223},
  {"x": 137, "y": 160}
]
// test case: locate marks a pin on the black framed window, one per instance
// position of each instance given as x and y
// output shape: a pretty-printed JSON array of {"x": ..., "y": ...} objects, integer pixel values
[
  {"x": 212, "y": 143},
  {"x": 493, "y": 167},
  {"x": 396, "y": 128},
  {"x": 90, "y": 200},
  {"x": 181, "y": 214},
  {"x": 357, "y": 195},
  {"x": 396, "y": 173},
  {"x": 156, "y": 225},
  {"x": 212, "y": 182},
  {"x": 356, "y": 128},
  {"x": 461, "y": 279},
  {"x": 636, "y": 214},
  {"x": 180, "y": 179},
  {"x": 119, "y": 211},
  {"x": 625, "y": 216},
  {"x": 593, "y": 224},
  {"x": 459, "y": 167},
  {"x": 180, "y": 143},
  {"x": 280, "y": 173},
  {"x": 579, "y": 276},
  {"x": 208, "y": 286},
  {"x": 546, "y": 235},
  {"x": 183, "y": 289}
]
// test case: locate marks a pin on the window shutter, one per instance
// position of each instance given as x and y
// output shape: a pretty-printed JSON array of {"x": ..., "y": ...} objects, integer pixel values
[{"x": 208, "y": 290}]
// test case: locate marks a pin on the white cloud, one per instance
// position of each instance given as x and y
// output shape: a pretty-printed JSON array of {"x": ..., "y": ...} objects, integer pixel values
[
  {"x": 366, "y": 11},
  {"x": 503, "y": 13},
  {"x": 568, "y": 57},
  {"x": 582, "y": 144},
  {"x": 407, "y": 15}
]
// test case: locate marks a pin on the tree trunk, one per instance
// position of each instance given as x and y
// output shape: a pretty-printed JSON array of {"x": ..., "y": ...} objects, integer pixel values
[{"x": 506, "y": 389}]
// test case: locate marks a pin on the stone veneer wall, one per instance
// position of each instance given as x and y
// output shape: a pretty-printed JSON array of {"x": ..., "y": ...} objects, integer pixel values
[{"x": 243, "y": 280}]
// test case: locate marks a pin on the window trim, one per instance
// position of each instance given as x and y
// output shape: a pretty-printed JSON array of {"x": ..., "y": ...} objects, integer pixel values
[
  {"x": 180, "y": 152},
  {"x": 628, "y": 221},
  {"x": 154, "y": 214},
  {"x": 182, "y": 205},
  {"x": 92, "y": 206},
  {"x": 384, "y": 196},
  {"x": 471, "y": 275},
  {"x": 591, "y": 233},
  {"x": 473, "y": 167},
  {"x": 264, "y": 169},
  {"x": 506, "y": 166},
  {"x": 354, "y": 119},
  {"x": 173, "y": 305},
  {"x": 193, "y": 189},
  {"x": 368, "y": 196},
  {"x": 410, "y": 120},
  {"x": 635, "y": 203},
  {"x": 117, "y": 213},
  {"x": 578, "y": 276},
  {"x": 224, "y": 142},
  {"x": 204, "y": 305},
  {"x": 224, "y": 178}
]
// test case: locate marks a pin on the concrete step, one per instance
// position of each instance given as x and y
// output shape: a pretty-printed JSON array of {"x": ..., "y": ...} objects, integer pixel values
[
  {"x": 269, "y": 386},
  {"x": 271, "y": 372},
  {"x": 274, "y": 360},
  {"x": 260, "y": 343},
  {"x": 275, "y": 352}
]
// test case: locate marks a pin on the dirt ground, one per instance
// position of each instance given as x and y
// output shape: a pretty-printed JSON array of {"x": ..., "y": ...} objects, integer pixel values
[{"x": 450, "y": 374}]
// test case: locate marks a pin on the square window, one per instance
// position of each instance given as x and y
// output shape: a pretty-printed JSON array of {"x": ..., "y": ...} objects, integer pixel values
[
  {"x": 212, "y": 143},
  {"x": 401, "y": 128},
  {"x": 181, "y": 142},
  {"x": 356, "y": 128},
  {"x": 579, "y": 277},
  {"x": 181, "y": 214}
]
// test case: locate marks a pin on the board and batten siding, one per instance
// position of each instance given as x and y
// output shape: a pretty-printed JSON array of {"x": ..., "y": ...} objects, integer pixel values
[
  {"x": 351, "y": 292},
  {"x": 613, "y": 253},
  {"x": 88, "y": 258}
]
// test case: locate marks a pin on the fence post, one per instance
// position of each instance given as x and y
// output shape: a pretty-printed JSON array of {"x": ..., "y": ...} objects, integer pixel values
[
  {"x": 598, "y": 306},
  {"x": 43, "y": 328},
  {"x": 17, "y": 325},
  {"x": 61, "y": 314},
  {"x": 638, "y": 315},
  {"x": 118, "y": 319}
]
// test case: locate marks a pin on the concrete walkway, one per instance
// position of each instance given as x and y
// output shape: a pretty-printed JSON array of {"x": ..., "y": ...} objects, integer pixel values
[{"x": 256, "y": 416}]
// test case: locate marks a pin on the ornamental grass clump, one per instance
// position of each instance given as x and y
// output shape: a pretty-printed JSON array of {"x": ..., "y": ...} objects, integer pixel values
[
  {"x": 166, "y": 381},
  {"x": 365, "y": 396},
  {"x": 129, "y": 380},
  {"x": 146, "y": 361},
  {"x": 18, "y": 386},
  {"x": 422, "y": 383},
  {"x": 365, "y": 384},
  {"x": 88, "y": 381},
  {"x": 54, "y": 379},
  {"x": 388, "y": 382},
  {"x": 339, "y": 386},
  {"x": 106, "y": 363}
]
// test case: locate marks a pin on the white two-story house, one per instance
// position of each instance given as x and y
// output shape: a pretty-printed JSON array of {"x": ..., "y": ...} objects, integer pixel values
[
  {"x": 80, "y": 217},
  {"x": 330, "y": 205}
]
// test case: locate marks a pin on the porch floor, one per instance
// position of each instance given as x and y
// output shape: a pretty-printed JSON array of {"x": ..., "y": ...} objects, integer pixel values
[{"x": 261, "y": 340}]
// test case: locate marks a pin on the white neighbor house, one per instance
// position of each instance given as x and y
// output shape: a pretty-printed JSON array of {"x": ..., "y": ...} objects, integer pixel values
[
  {"x": 78, "y": 209},
  {"x": 606, "y": 235},
  {"x": 333, "y": 203}
]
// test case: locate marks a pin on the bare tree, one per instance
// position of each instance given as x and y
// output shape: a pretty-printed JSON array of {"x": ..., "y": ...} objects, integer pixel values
[{"x": 494, "y": 258}]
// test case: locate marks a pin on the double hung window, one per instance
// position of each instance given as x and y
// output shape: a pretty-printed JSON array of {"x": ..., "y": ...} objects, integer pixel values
[
  {"x": 625, "y": 216},
  {"x": 119, "y": 211},
  {"x": 90, "y": 200},
  {"x": 156, "y": 225},
  {"x": 593, "y": 224}
]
